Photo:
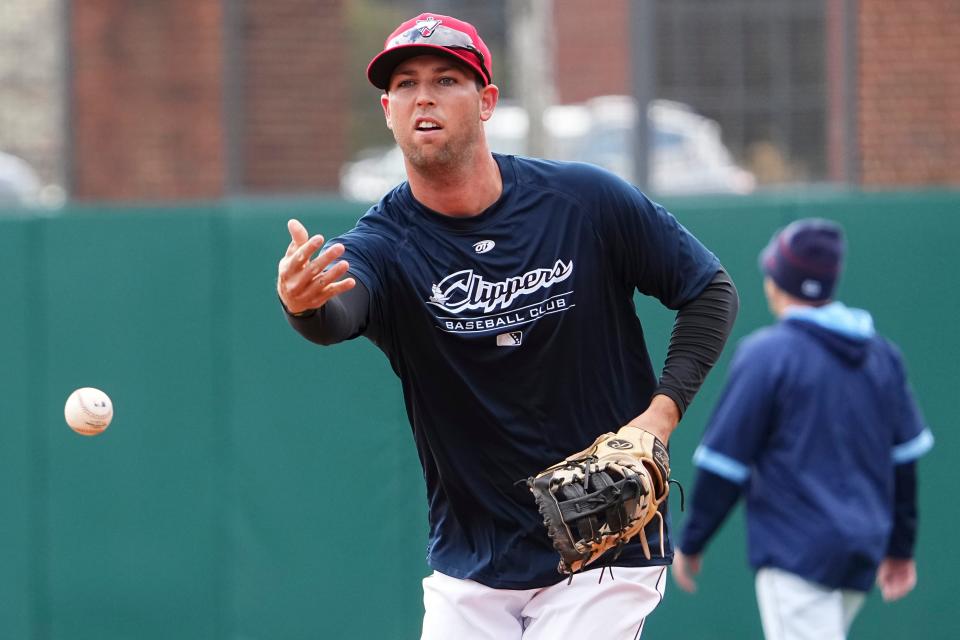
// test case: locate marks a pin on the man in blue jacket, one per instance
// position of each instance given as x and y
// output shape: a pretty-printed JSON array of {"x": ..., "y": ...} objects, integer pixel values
[{"x": 818, "y": 429}]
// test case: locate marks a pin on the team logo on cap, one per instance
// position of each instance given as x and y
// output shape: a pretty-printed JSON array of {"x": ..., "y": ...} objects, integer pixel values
[
  {"x": 811, "y": 288},
  {"x": 426, "y": 27}
]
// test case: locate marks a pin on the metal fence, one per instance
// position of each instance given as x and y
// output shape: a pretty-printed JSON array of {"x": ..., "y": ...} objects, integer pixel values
[{"x": 763, "y": 69}]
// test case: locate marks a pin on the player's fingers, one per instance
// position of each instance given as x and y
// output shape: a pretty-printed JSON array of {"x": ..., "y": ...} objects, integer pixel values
[
  {"x": 891, "y": 591},
  {"x": 900, "y": 585},
  {"x": 298, "y": 235},
  {"x": 296, "y": 280},
  {"x": 316, "y": 272},
  {"x": 294, "y": 272},
  {"x": 324, "y": 294},
  {"x": 332, "y": 273},
  {"x": 896, "y": 578},
  {"x": 883, "y": 580},
  {"x": 301, "y": 257},
  {"x": 338, "y": 287},
  {"x": 682, "y": 579},
  {"x": 319, "y": 283},
  {"x": 319, "y": 270},
  {"x": 684, "y": 569},
  {"x": 326, "y": 257},
  {"x": 291, "y": 248},
  {"x": 298, "y": 232}
]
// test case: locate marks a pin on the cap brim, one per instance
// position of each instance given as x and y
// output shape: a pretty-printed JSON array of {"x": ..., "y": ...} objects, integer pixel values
[{"x": 381, "y": 67}]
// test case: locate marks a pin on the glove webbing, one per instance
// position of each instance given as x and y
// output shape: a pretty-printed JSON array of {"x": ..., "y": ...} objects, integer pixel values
[
  {"x": 581, "y": 502},
  {"x": 577, "y": 497}
]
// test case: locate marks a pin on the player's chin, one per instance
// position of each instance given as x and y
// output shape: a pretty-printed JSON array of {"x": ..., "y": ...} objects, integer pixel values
[{"x": 431, "y": 156}]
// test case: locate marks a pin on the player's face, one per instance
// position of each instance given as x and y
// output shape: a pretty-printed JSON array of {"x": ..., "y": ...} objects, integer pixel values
[
  {"x": 777, "y": 300},
  {"x": 435, "y": 110}
]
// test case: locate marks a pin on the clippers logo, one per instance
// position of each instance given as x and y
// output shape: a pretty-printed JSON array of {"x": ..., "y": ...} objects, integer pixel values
[
  {"x": 427, "y": 27},
  {"x": 619, "y": 444},
  {"x": 466, "y": 290},
  {"x": 484, "y": 245}
]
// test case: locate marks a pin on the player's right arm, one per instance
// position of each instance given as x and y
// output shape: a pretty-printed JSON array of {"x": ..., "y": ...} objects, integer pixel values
[{"x": 322, "y": 302}]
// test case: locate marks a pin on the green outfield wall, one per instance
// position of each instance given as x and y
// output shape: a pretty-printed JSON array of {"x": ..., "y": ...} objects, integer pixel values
[{"x": 254, "y": 486}]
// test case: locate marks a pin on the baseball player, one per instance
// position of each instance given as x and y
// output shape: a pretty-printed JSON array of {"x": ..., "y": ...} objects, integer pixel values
[
  {"x": 501, "y": 290},
  {"x": 818, "y": 429}
]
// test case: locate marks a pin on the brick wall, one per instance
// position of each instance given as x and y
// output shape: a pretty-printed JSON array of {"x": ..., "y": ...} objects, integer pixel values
[
  {"x": 592, "y": 48},
  {"x": 148, "y": 117},
  {"x": 148, "y": 86},
  {"x": 146, "y": 100},
  {"x": 909, "y": 93},
  {"x": 296, "y": 96}
]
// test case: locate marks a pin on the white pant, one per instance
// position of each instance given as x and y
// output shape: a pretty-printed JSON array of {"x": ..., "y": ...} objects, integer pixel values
[
  {"x": 792, "y": 608},
  {"x": 611, "y": 609}
]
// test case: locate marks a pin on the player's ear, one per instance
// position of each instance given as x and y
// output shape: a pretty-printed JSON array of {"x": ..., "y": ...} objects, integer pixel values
[
  {"x": 489, "y": 95},
  {"x": 385, "y": 103}
]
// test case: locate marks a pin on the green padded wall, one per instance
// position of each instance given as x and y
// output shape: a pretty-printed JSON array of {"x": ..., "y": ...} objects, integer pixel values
[{"x": 219, "y": 504}]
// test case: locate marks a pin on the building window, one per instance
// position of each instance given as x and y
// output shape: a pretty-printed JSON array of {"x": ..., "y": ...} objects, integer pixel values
[{"x": 757, "y": 67}]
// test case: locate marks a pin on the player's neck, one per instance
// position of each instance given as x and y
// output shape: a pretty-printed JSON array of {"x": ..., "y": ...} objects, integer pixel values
[{"x": 462, "y": 193}]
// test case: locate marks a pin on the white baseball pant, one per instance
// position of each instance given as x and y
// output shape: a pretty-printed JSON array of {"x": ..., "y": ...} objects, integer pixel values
[
  {"x": 792, "y": 608},
  {"x": 612, "y": 609}
]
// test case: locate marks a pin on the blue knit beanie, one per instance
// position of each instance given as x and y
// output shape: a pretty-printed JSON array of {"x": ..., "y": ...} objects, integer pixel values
[{"x": 805, "y": 258}]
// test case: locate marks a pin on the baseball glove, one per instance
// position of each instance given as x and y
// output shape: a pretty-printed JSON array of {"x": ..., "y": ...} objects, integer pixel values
[{"x": 600, "y": 498}]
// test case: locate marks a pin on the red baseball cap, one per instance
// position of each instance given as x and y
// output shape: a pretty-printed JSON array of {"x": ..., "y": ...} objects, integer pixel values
[{"x": 436, "y": 34}]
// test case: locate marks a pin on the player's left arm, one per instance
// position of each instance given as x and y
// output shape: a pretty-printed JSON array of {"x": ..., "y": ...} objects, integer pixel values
[
  {"x": 647, "y": 249},
  {"x": 712, "y": 499},
  {"x": 700, "y": 332},
  {"x": 897, "y": 574},
  {"x": 740, "y": 424}
]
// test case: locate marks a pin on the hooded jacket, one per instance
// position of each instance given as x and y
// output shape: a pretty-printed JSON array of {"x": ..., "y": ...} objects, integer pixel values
[{"x": 815, "y": 418}]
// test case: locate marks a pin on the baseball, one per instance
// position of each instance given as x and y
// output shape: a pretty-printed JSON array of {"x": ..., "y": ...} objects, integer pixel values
[{"x": 88, "y": 411}]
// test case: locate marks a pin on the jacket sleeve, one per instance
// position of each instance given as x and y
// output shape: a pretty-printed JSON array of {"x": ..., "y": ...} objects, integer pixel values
[
  {"x": 912, "y": 440},
  {"x": 744, "y": 415},
  {"x": 713, "y": 498},
  {"x": 737, "y": 430},
  {"x": 912, "y": 437}
]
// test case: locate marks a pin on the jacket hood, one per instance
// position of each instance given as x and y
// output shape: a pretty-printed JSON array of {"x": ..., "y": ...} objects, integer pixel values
[{"x": 845, "y": 331}]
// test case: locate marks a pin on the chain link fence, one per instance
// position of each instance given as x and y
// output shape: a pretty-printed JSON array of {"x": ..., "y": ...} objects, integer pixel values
[{"x": 758, "y": 68}]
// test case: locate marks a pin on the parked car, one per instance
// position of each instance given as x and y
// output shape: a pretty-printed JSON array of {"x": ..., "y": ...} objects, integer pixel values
[
  {"x": 688, "y": 155},
  {"x": 19, "y": 183}
]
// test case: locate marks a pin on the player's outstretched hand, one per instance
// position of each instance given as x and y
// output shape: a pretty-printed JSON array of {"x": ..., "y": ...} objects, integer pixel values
[
  {"x": 305, "y": 284},
  {"x": 896, "y": 577},
  {"x": 684, "y": 569}
]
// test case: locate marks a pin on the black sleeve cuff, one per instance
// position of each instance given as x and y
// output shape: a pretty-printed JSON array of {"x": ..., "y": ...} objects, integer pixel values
[
  {"x": 300, "y": 314},
  {"x": 713, "y": 498},
  {"x": 904, "y": 534}
]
